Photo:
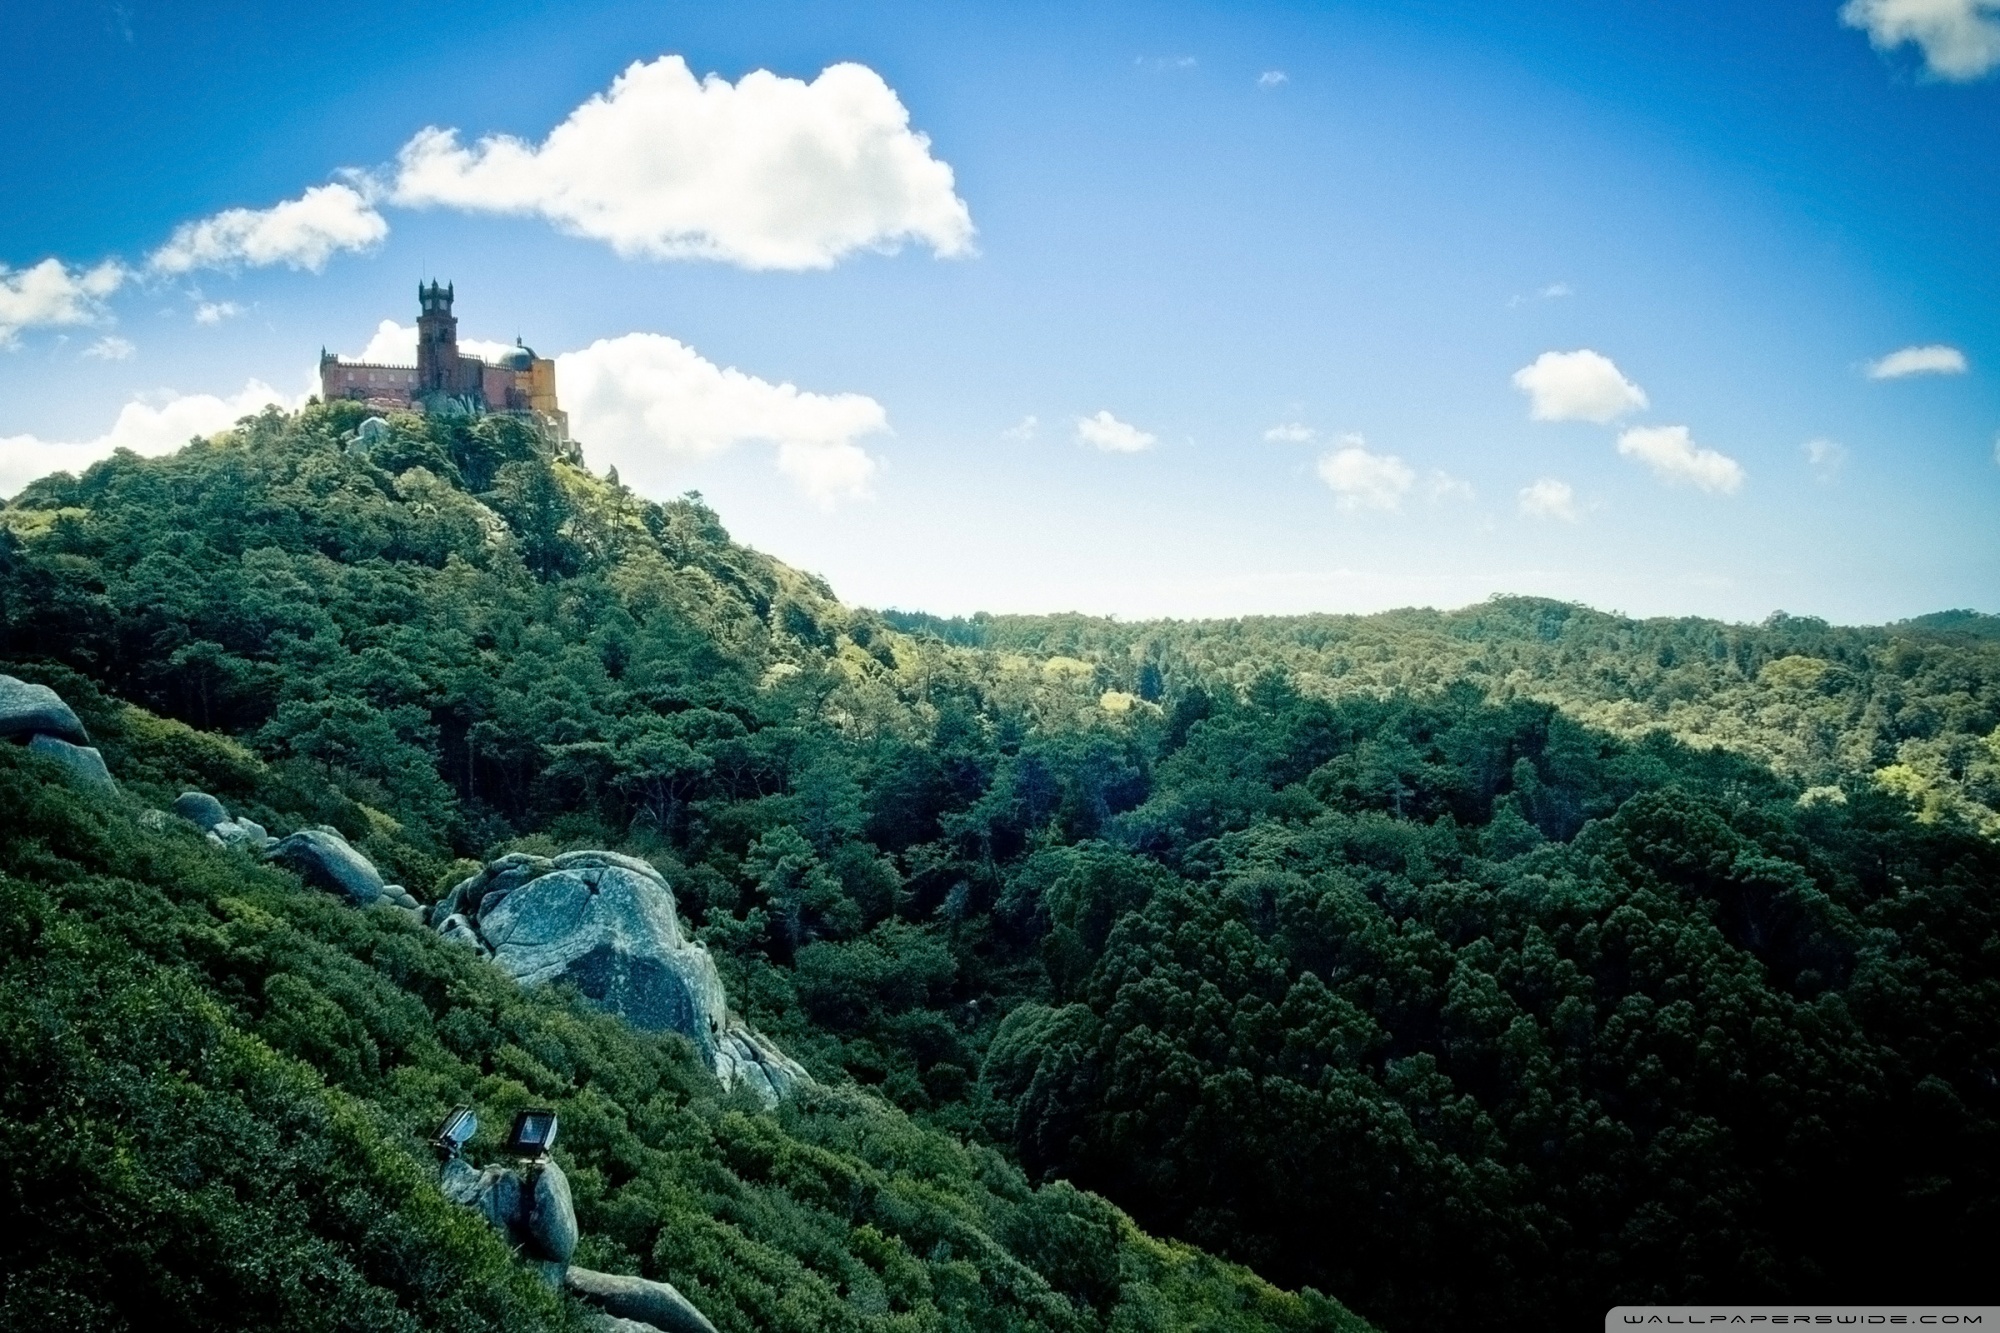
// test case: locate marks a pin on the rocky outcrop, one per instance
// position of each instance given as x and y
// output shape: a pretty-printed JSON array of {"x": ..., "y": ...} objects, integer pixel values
[
  {"x": 83, "y": 763},
  {"x": 636, "y": 1300},
  {"x": 36, "y": 716},
  {"x": 606, "y": 924},
  {"x": 242, "y": 832},
  {"x": 27, "y": 711},
  {"x": 531, "y": 1207},
  {"x": 212, "y": 818}
]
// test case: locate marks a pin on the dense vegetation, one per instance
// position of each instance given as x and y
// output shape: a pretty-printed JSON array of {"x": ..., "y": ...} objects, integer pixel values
[{"x": 1490, "y": 966}]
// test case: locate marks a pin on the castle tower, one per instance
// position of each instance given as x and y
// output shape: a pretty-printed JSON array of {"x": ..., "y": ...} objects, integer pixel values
[{"x": 437, "y": 341}]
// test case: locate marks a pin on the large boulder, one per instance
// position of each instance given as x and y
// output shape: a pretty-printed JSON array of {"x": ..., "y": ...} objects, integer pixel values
[
  {"x": 36, "y": 710},
  {"x": 323, "y": 859},
  {"x": 85, "y": 765},
  {"x": 606, "y": 924},
  {"x": 200, "y": 809},
  {"x": 646, "y": 1303}
]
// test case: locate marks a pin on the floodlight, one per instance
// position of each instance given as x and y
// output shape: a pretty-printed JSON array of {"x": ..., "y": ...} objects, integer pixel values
[
  {"x": 457, "y": 1131},
  {"x": 534, "y": 1133}
]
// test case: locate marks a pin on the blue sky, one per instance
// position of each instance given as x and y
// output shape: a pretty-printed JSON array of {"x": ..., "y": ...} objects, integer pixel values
[{"x": 1173, "y": 310}]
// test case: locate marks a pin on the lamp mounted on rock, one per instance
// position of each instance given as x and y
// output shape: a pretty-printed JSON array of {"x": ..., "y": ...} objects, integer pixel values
[
  {"x": 456, "y": 1131},
  {"x": 534, "y": 1133}
]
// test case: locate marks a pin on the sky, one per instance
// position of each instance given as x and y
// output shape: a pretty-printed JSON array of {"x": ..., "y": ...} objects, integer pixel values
[{"x": 1136, "y": 309}]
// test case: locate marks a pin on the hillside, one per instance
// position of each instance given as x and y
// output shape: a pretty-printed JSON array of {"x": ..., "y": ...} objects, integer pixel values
[{"x": 1463, "y": 967}]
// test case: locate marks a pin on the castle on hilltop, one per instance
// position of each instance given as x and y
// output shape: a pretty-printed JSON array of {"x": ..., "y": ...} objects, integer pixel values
[{"x": 445, "y": 380}]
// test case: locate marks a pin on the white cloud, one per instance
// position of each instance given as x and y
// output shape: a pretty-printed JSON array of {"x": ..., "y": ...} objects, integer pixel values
[
  {"x": 1441, "y": 485},
  {"x": 1960, "y": 39},
  {"x": 1577, "y": 386},
  {"x": 1935, "y": 359},
  {"x": 214, "y": 312},
  {"x": 394, "y": 344},
  {"x": 1113, "y": 436},
  {"x": 1272, "y": 78},
  {"x": 1366, "y": 480},
  {"x": 1825, "y": 457},
  {"x": 148, "y": 428},
  {"x": 110, "y": 347},
  {"x": 1555, "y": 291},
  {"x": 52, "y": 293},
  {"x": 1025, "y": 431},
  {"x": 1549, "y": 498},
  {"x": 1675, "y": 457},
  {"x": 645, "y": 403},
  {"x": 767, "y": 172},
  {"x": 1291, "y": 433},
  {"x": 300, "y": 233}
]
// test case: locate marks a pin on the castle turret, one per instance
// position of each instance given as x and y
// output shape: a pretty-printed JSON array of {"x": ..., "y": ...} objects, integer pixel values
[{"x": 437, "y": 341}]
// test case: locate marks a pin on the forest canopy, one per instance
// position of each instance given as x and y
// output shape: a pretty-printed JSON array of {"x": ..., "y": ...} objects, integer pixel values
[{"x": 1473, "y": 965}]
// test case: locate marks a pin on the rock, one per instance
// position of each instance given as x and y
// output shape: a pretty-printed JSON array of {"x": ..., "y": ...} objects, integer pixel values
[
  {"x": 459, "y": 930},
  {"x": 36, "y": 710},
  {"x": 240, "y": 832},
  {"x": 549, "y": 1224},
  {"x": 606, "y": 924},
  {"x": 638, "y": 1299},
  {"x": 200, "y": 809},
  {"x": 530, "y": 1206},
  {"x": 753, "y": 1060},
  {"x": 85, "y": 764},
  {"x": 369, "y": 434},
  {"x": 324, "y": 860},
  {"x": 401, "y": 896}
]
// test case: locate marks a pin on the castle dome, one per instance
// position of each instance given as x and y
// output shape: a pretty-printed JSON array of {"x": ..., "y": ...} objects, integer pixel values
[{"x": 516, "y": 357}]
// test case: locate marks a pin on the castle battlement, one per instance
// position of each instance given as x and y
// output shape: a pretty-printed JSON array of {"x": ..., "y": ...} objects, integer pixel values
[{"x": 445, "y": 379}]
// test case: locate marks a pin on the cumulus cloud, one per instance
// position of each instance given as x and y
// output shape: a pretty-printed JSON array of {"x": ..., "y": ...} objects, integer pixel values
[
  {"x": 149, "y": 427},
  {"x": 1366, "y": 480},
  {"x": 1272, "y": 78},
  {"x": 301, "y": 233},
  {"x": 1549, "y": 498},
  {"x": 1675, "y": 458},
  {"x": 1960, "y": 39},
  {"x": 1577, "y": 386},
  {"x": 1024, "y": 431},
  {"x": 394, "y": 344},
  {"x": 1824, "y": 457},
  {"x": 110, "y": 347},
  {"x": 1113, "y": 436},
  {"x": 646, "y": 404},
  {"x": 1935, "y": 359},
  {"x": 214, "y": 312},
  {"x": 1291, "y": 433},
  {"x": 767, "y": 172},
  {"x": 52, "y": 293}
]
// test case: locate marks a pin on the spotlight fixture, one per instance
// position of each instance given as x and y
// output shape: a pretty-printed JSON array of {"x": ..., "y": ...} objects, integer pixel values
[
  {"x": 456, "y": 1131},
  {"x": 534, "y": 1133}
]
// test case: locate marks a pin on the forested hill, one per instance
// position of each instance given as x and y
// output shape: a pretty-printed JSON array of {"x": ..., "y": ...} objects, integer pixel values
[
  {"x": 1388, "y": 957},
  {"x": 1916, "y": 704}
]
